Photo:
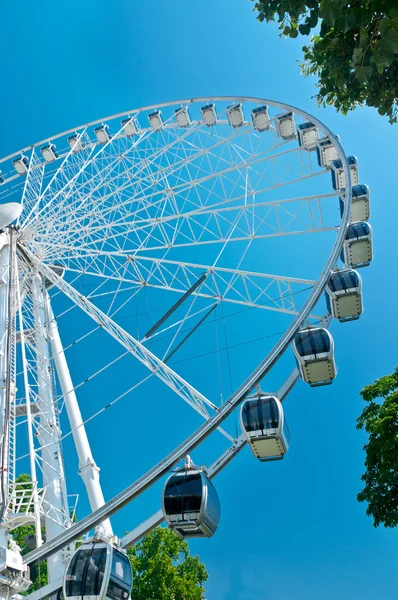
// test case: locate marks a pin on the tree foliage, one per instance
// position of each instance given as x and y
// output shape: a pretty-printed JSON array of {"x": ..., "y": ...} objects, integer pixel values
[
  {"x": 163, "y": 569},
  {"x": 380, "y": 420},
  {"x": 38, "y": 572},
  {"x": 354, "y": 51}
]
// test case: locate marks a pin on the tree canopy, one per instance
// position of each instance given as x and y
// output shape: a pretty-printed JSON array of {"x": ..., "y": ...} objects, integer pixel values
[
  {"x": 163, "y": 569},
  {"x": 354, "y": 51},
  {"x": 380, "y": 420}
]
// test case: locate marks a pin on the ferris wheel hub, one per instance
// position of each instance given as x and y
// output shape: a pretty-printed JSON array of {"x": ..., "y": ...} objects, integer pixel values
[{"x": 9, "y": 213}]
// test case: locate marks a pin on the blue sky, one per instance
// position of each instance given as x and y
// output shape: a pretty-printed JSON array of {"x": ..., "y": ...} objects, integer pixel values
[{"x": 289, "y": 530}]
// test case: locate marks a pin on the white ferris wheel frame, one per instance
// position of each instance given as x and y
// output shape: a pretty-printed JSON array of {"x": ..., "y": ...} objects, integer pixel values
[{"x": 102, "y": 513}]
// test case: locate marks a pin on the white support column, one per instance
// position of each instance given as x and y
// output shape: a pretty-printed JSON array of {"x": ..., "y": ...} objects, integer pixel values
[
  {"x": 32, "y": 456},
  {"x": 4, "y": 454},
  {"x": 87, "y": 467},
  {"x": 55, "y": 503}
]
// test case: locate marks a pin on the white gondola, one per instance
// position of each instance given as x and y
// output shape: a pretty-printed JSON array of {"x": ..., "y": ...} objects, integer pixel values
[
  {"x": 313, "y": 348},
  {"x": 98, "y": 571},
  {"x": 75, "y": 142},
  {"x": 130, "y": 126},
  {"x": 326, "y": 152},
  {"x": 102, "y": 133},
  {"x": 190, "y": 502},
  {"x": 49, "y": 152},
  {"x": 263, "y": 424},
  {"x": 235, "y": 115},
  {"x": 21, "y": 164},
  {"x": 155, "y": 119},
  {"x": 286, "y": 126},
  {"x": 344, "y": 295},
  {"x": 182, "y": 117},
  {"x": 260, "y": 118},
  {"x": 338, "y": 177},
  {"x": 209, "y": 114},
  {"x": 360, "y": 204},
  {"x": 358, "y": 245},
  {"x": 2, "y": 178},
  {"x": 307, "y": 135}
]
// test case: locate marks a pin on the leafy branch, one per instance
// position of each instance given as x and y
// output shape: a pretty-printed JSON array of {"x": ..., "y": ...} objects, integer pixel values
[{"x": 353, "y": 50}]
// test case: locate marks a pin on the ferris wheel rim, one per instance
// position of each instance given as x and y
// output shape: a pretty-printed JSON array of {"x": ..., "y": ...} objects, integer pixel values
[
  {"x": 267, "y": 363},
  {"x": 186, "y": 101}
]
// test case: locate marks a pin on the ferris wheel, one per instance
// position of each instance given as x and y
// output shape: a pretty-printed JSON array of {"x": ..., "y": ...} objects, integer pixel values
[{"x": 156, "y": 238}]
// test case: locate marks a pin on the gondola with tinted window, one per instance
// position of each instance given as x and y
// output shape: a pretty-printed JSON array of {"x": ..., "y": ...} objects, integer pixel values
[
  {"x": 260, "y": 118},
  {"x": 286, "y": 126},
  {"x": 338, "y": 175},
  {"x": 49, "y": 152},
  {"x": 326, "y": 151},
  {"x": 190, "y": 502},
  {"x": 98, "y": 571},
  {"x": 344, "y": 295},
  {"x": 358, "y": 245},
  {"x": 21, "y": 164},
  {"x": 102, "y": 133},
  {"x": 313, "y": 348},
  {"x": 307, "y": 135},
  {"x": 209, "y": 114},
  {"x": 263, "y": 423},
  {"x": 360, "y": 204},
  {"x": 235, "y": 115}
]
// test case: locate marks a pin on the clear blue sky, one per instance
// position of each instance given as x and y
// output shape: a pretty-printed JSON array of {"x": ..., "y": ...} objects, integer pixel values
[{"x": 290, "y": 530}]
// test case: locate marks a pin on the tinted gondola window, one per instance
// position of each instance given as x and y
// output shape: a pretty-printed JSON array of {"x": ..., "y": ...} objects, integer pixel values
[
  {"x": 74, "y": 576},
  {"x": 260, "y": 414},
  {"x": 120, "y": 581},
  {"x": 343, "y": 280},
  {"x": 86, "y": 572},
  {"x": 95, "y": 572},
  {"x": 359, "y": 190},
  {"x": 357, "y": 230},
  {"x": 183, "y": 494},
  {"x": 286, "y": 431},
  {"x": 213, "y": 509},
  {"x": 312, "y": 342}
]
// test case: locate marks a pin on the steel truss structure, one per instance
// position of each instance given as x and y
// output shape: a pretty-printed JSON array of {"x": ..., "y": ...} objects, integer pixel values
[{"x": 196, "y": 219}]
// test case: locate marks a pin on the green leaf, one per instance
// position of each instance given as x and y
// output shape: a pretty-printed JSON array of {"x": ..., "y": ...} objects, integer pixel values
[
  {"x": 358, "y": 15},
  {"x": 357, "y": 56},
  {"x": 363, "y": 74},
  {"x": 378, "y": 60},
  {"x": 312, "y": 20},
  {"x": 330, "y": 11},
  {"x": 388, "y": 43},
  {"x": 281, "y": 12},
  {"x": 363, "y": 38},
  {"x": 293, "y": 32},
  {"x": 383, "y": 25},
  {"x": 304, "y": 29},
  {"x": 349, "y": 23},
  {"x": 392, "y": 12}
]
